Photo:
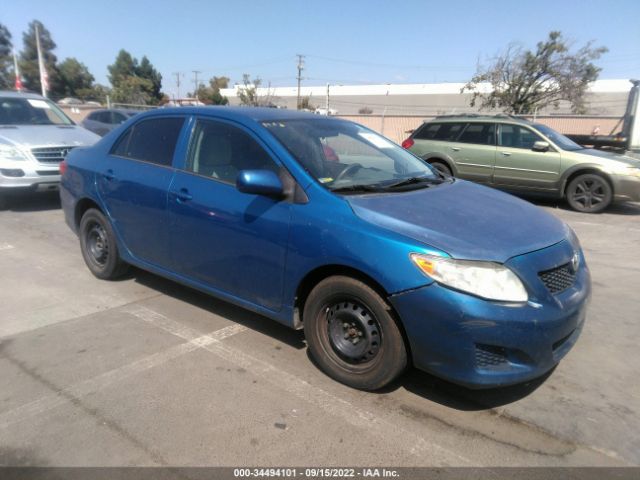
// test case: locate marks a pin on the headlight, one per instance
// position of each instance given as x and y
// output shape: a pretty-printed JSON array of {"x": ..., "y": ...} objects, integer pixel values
[
  {"x": 485, "y": 279},
  {"x": 8, "y": 152}
]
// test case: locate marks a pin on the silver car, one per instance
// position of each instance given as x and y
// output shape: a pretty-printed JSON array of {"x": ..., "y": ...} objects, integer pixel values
[
  {"x": 35, "y": 136},
  {"x": 103, "y": 121}
]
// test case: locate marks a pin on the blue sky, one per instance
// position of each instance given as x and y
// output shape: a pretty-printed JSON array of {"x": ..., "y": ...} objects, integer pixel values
[{"x": 346, "y": 42}]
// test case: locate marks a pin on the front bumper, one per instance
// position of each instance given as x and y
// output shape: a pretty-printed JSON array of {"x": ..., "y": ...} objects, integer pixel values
[
  {"x": 626, "y": 188},
  {"x": 18, "y": 176},
  {"x": 482, "y": 344}
]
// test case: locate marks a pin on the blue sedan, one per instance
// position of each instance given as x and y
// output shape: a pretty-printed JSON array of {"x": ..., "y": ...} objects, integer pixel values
[{"x": 326, "y": 226}]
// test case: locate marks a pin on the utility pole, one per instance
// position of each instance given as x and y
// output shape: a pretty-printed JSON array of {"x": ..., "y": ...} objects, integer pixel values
[
  {"x": 177, "y": 74},
  {"x": 195, "y": 81},
  {"x": 327, "y": 106},
  {"x": 299, "y": 77}
]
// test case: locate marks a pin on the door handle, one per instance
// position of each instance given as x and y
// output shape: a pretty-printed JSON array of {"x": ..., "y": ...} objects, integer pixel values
[
  {"x": 506, "y": 154},
  {"x": 455, "y": 149},
  {"x": 108, "y": 175},
  {"x": 183, "y": 195}
]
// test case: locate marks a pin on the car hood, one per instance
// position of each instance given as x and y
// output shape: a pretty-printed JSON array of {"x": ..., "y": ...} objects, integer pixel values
[
  {"x": 465, "y": 220},
  {"x": 44, "y": 135},
  {"x": 618, "y": 157}
]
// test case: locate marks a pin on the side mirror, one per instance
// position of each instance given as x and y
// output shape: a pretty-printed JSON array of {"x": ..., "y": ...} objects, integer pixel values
[
  {"x": 540, "y": 146},
  {"x": 260, "y": 182}
]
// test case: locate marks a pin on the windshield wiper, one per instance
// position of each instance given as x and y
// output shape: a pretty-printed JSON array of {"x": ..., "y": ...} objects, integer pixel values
[
  {"x": 357, "y": 188},
  {"x": 415, "y": 180}
]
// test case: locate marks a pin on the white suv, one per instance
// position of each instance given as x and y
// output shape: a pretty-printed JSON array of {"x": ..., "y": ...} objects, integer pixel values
[{"x": 35, "y": 136}]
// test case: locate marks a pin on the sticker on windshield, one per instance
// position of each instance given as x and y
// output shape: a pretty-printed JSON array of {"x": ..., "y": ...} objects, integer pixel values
[
  {"x": 376, "y": 140},
  {"x": 38, "y": 103},
  {"x": 325, "y": 179}
]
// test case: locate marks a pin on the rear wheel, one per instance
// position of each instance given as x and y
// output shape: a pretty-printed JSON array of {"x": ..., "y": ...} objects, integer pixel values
[
  {"x": 352, "y": 334},
  {"x": 98, "y": 245},
  {"x": 589, "y": 193},
  {"x": 442, "y": 168}
]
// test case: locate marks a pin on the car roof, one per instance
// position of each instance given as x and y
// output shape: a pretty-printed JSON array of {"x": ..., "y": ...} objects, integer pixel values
[
  {"x": 503, "y": 118},
  {"x": 13, "y": 94},
  {"x": 258, "y": 114}
]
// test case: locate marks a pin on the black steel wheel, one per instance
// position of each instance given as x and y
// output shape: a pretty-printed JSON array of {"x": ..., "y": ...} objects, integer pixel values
[
  {"x": 443, "y": 168},
  {"x": 98, "y": 245},
  {"x": 352, "y": 334},
  {"x": 589, "y": 193}
]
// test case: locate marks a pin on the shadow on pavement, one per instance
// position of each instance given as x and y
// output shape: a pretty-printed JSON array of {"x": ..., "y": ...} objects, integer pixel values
[
  {"x": 33, "y": 202},
  {"x": 247, "y": 318},
  {"x": 624, "y": 208}
]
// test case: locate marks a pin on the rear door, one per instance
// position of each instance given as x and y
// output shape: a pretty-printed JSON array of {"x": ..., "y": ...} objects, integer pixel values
[
  {"x": 134, "y": 182},
  {"x": 518, "y": 166},
  {"x": 231, "y": 241},
  {"x": 475, "y": 152}
]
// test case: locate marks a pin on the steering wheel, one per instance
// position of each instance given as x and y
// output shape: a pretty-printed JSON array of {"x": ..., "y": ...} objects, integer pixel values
[{"x": 350, "y": 170}]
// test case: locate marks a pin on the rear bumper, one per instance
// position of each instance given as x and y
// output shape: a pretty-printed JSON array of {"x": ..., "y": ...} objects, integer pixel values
[{"x": 482, "y": 344}]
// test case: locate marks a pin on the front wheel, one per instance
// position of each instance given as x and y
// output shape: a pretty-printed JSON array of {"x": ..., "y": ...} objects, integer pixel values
[
  {"x": 589, "y": 193},
  {"x": 352, "y": 334},
  {"x": 98, "y": 245}
]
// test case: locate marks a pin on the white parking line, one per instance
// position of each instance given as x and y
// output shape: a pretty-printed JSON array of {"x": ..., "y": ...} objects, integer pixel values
[
  {"x": 92, "y": 385},
  {"x": 6, "y": 246},
  {"x": 312, "y": 394}
]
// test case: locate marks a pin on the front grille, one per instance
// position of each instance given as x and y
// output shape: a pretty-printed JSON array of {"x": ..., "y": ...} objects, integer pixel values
[
  {"x": 48, "y": 172},
  {"x": 50, "y": 154},
  {"x": 490, "y": 356},
  {"x": 558, "y": 279},
  {"x": 561, "y": 342}
]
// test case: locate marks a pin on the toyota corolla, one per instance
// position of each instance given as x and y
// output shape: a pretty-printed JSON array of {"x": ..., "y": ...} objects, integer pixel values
[{"x": 324, "y": 225}]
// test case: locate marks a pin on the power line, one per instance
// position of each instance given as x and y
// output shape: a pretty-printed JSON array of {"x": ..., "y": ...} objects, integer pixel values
[{"x": 390, "y": 65}]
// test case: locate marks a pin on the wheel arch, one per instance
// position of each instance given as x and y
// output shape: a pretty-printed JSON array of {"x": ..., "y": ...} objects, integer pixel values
[
  {"x": 435, "y": 157},
  {"x": 315, "y": 276},
  {"x": 581, "y": 170},
  {"x": 81, "y": 207}
]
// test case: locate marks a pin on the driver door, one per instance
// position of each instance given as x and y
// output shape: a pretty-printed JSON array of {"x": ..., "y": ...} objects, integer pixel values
[
  {"x": 518, "y": 166},
  {"x": 227, "y": 240}
]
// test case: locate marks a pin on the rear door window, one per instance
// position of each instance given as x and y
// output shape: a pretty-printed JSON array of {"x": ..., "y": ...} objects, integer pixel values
[
  {"x": 479, "y": 133},
  {"x": 428, "y": 131},
  {"x": 153, "y": 140},
  {"x": 448, "y": 132}
]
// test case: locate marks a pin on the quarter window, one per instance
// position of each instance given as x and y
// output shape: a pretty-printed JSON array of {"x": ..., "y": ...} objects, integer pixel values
[
  {"x": 219, "y": 150},
  {"x": 515, "y": 136},
  {"x": 152, "y": 140},
  {"x": 479, "y": 133}
]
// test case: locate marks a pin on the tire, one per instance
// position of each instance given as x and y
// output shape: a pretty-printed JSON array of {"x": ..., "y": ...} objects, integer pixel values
[
  {"x": 589, "y": 193},
  {"x": 442, "y": 168},
  {"x": 352, "y": 334},
  {"x": 98, "y": 246}
]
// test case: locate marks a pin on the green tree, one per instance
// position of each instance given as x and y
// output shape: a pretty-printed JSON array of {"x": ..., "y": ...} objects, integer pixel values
[
  {"x": 6, "y": 60},
  {"x": 133, "y": 82},
  {"x": 124, "y": 66},
  {"x": 248, "y": 93},
  {"x": 305, "y": 103},
  {"x": 145, "y": 70},
  {"x": 524, "y": 80},
  {"x": 74, "y": 78},
  {"x": 133, "y": 90},
  {"x": 211, "y": 95},
  {"x": 29, "y": 59}
]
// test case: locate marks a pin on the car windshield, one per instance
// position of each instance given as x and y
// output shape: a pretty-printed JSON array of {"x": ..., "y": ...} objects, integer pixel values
[
  {"x": 560, "y": 140},
  {"x": 31, "y": 111},
  {"x": 346, "y": 157}
]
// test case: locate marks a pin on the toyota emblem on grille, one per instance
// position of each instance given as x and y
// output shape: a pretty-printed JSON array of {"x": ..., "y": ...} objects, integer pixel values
[
  {"x": 575, "y": 262},
  {"x": 64, "y": 152}
]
